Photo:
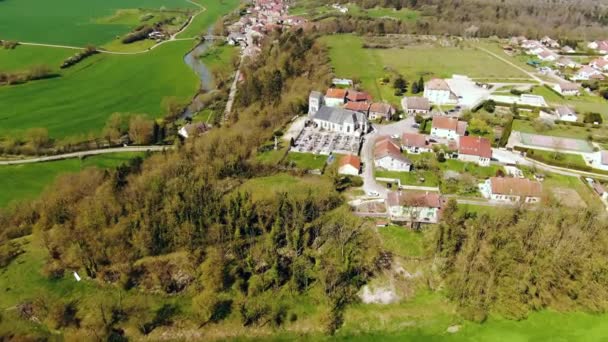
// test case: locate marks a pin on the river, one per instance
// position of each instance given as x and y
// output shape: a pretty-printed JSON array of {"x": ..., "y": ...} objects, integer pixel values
[{"x": 192, "y": 59}]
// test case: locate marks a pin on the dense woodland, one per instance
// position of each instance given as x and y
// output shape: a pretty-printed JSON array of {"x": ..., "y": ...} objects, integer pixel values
[
  {"x": 481, "y": 18},
  {"x": 514, "y": 262}
]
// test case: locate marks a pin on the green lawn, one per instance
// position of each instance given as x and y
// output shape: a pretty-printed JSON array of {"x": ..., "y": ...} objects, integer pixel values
[
  {"x": 87, "y": 94},
  {"x": 269, "y": 187},
  {"x": 307, "y": 161},
  {"x": 404, "y": 14},
  {"x": 26, "y": 181},
  {"x": 567, "y": 158},
  {"x": 219, "y": 60},
  {"x": 73, "y": 22},
  {"x": 564, "y": 131},
  {"x": 480, "y": 172},
  {"x": 214, "y": 9},
  {"x": 401, "y": 241},
  {"x": 24, "y": 57},
  {"x": 351, "y": 60},
  {"x": 411, "y": 178}
]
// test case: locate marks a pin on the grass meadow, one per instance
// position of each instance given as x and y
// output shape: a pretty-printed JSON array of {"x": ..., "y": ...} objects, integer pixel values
[
  {"x": 72, "y": 22},
  {"x": 351, "y": 60},
  {"x": 214, "y": 9},
  {"x": 25, "y": 57},
  {"x": 26, "y": 181},
  {"x": 84, "y": 97}
]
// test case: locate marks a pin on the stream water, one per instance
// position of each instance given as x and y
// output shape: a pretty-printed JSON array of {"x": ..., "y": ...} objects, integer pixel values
[{"x": 204, "y": 74}]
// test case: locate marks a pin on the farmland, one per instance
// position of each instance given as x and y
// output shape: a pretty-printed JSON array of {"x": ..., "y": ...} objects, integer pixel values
[
  {"x": 85, "y": 95},
  {"x": 71, "y": 22},
  {"x": 19, "y": 182},
  {"x": 213, "y": 10},
  {"x": 25, "y": 57}
]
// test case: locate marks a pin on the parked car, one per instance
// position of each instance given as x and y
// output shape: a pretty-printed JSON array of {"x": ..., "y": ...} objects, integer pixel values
[{"x": 373, "y": 194}]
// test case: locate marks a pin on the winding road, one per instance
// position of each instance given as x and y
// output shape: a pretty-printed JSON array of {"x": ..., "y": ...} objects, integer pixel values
[{"x": 152, "y": 148}]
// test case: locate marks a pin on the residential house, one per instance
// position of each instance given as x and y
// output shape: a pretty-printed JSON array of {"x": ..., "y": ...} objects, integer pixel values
[
  {"x": 586, "y": 73},
  {"x": 548, "y": 42},
  {"x": 341, "y": 120},
  {"x": 349, "y": 165},
  {"x": 567, "y": 88},
  {"x": 448, "y": 128},
  {"x": 600, "y": 64},
  {"x": 600, "y": 190},
  {"x": 362, "y": 107},
  {"x": 415, "y": 143},
  {"x": 335, "y": 97},
  {"x": 381, "y": 110},
  {"x": 415, "y": 206},
  {"x": 532, "y": 47},
  {"x": 568, "y": 49},
  {"x": 566, "y": 113},
  {"x": 358, "y": 96},
  {"x": 547, "y": 56},
  {"x": 315, "y": 101},
  {"x": 511, "y": 190},
  {"x": 438, "y": 91},
  {"x": 565, "y": 62},
  {"x": 601, "y": 46},
  {"x": 387, "y": 155},
  {"x": 475, "y": 150},
  {"x": 416, "y": 105}
]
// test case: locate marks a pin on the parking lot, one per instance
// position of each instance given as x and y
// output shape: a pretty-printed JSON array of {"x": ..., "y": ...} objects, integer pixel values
[{"x": 314, "y": 141}]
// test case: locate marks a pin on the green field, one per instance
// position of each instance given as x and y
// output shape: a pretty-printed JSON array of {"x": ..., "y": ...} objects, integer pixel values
[
  {"x": 214, "y": 9},
  {"x": 82, "y": 99},
  {"x": 24, "y": 57},
  {"x": 26, "y": 181},
  {"x": 72, "y": 22},
  {"x": 351, "y": 60},
  {"x": 565, "y": 131},
  {"x": 219, "y": 59},
  {"x": 269, "y": 187},
  {"x": 411, "y": 178},
  {"x": 307, "y": 161},
  {"x": 402, "y": 241}
]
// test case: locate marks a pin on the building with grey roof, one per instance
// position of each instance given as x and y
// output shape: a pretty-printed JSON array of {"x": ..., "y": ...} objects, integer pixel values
[{"x": 341, "y": 120}]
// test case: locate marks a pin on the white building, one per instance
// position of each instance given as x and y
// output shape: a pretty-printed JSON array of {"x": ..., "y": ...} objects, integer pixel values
[
  {"x": 315, "y": 101},
  {"x": 567, "y": 88},
  {"x": 415, "y": 143},
  {"x": 511, "y": 190},
  {"x": 335, "y": 97},
  {"x": 566, "y": 113},
  {"x": 447, "y": 128},
  {"x": 387, "y": 156},
  {"x": 341, "y": 120},
  {"x": 475, "y": 150},
  {"x": 586, "y": 73},
  {"x": 349, "y": 165},
  {"x": 438, "y": 91}
]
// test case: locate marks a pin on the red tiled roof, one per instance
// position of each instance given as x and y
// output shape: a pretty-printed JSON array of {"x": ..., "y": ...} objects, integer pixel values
[
  {"x": 357, "y": 106},
  {"x": 515, "y": 187},
  {"x": 378, "y": 107},
  {"x": 444, "y": 122},
  {"x": 475, "y": 146},
  {"x": 352, "y": 160},
  {"x": 568, "y": 86},
  {"x": 413, "y": 139},
  {"x": 336, "y": 93},
  {"x": 356, "y": 96},
  {"x": 386, "y": 146}
]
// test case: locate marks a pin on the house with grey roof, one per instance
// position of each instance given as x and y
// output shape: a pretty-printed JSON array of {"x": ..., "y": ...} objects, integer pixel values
[{"x": 341, "y": 120}]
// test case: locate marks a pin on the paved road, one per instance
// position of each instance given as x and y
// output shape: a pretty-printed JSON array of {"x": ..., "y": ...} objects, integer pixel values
[{"x": 87, "y": 153}]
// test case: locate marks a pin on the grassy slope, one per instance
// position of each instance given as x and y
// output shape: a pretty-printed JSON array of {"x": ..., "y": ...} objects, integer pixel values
[
  {"x": 564, "y": 131},
  {"x": 26, "y": 181},
  {"x": 268, "y": 187},
  {"x": 218, "y": 59},
  {"x": 86, "y": 95},
  {"x": 69, "y": 22}
]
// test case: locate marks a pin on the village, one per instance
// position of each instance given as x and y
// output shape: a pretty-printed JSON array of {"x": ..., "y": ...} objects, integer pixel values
[{"x": 399, "y": 153}]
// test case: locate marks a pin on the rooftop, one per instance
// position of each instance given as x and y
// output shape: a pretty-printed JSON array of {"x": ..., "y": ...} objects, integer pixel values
[
  {"x": 444, "y": 122},
  {"x": 437, "y": 84},
  {"x": 515, "y": 187},
  {"x": 414, "y": 140},
  {"x": 475, "y": 146},
  {"x": 352, "y": 160},
  {"x": 414, "y": 199},
  {"x": 417, "y": 103},
  {"x": 336, "y": 93}
]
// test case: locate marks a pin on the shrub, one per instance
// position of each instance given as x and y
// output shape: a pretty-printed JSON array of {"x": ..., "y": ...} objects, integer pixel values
[{"x": 591, "y": 117}]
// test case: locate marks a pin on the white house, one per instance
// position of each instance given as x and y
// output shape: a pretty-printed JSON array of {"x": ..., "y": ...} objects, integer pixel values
[
  {"x": 438, "y": 91},
  {"x": 475, "y": 150},
  {"x": 414, "y": 206},
  {"x": 447, "y": 128},
  {"x": 315, "y": 101},
  {"x": 585, "y": 73},
  {"x": 387, "y": 155},
  {"x": 415, "y": 105},
  {"x": 335, "y": 97},
  {"x": 601, "y": 46},
  {"x": 341, "y": 120},
  {"x": 349, "y": 165},
  {"x": 547, "y": 56},
  {"x": 566, "y": 113},
  {"x": 567, "y": 88},
  {"x": 600, "y": 64},
  {"x": 415, "y": 143},
  {"x": 511, "y": 190}
]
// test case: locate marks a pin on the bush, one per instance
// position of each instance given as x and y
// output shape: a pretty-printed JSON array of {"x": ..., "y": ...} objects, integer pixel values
[
  {"x": 591, "y": 118},
  {"x": 489, "y": 106},
  {"x": 70, "y": 61},
  {"x": 138, "y": 35}
]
